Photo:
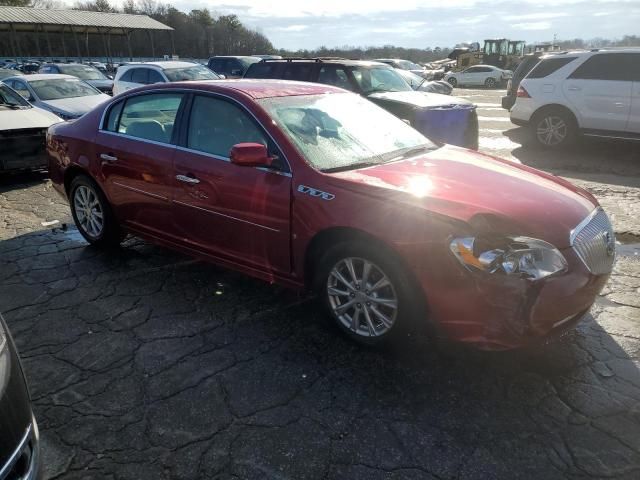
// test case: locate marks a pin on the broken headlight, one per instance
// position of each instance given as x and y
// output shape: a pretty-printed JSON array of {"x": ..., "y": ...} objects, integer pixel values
[{"x": 520, "y": 256}]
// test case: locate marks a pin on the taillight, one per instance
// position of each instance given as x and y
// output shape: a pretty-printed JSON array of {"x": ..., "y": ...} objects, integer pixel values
[{"x": 522, "y": 93}]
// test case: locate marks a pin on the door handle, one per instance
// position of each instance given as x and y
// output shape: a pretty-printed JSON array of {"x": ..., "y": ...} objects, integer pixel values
[
  {"x": 108, "y": 157},
  {"x": 186, "y": 179},
  {"x": 574, "y": 89}
]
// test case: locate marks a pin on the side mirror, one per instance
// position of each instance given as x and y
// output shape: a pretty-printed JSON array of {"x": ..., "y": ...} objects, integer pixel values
[{"x": 250, "y": 155}]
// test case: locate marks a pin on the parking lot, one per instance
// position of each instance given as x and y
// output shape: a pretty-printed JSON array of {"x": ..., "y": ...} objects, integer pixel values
[{"x": 144, "y": 363}]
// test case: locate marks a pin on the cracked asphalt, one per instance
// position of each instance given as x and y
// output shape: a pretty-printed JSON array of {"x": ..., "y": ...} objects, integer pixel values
[{"x": 145, "y": 364}]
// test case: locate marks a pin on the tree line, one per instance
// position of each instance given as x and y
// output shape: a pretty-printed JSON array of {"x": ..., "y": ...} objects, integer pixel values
[{"x": 199, "y": 33}]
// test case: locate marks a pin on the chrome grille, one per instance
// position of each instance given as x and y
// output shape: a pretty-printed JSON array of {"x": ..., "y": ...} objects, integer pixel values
[{"x": 595, "y": 243}]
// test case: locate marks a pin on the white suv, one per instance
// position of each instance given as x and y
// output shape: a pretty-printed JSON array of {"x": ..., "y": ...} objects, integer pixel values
[
  {"x": 134, "y": 75},
  {"x": 595, "y": 93}
]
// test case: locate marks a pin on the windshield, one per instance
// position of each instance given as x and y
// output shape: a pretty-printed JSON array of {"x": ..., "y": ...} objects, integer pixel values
[
  {"x": 343, "y": 130},
  {"x": 411, "y": 78},
  {"x": 83, "y": 72},
  {"x": 57, "y": 88},
  {"x": 11, "y": 98},
  {"x": 196, "y": 72},
  {"x": 381, "y": 79},
  {"x": 407, "y": 65}
]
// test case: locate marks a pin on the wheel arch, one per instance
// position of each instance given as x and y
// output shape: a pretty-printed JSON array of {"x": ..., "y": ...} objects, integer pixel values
[
  {"x": 555, "y": 107},
  {"x": 70, "y": 173}
]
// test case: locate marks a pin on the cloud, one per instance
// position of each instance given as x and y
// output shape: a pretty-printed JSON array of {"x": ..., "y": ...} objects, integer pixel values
[
  {"x": 533, "y": 26},
  {"x": 293, "y": 28},
  {"x": 424, "y": 23},
  {"x": 536, "y": 16}
]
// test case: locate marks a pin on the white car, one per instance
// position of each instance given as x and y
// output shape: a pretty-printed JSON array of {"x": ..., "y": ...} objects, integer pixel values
[
  {"x": 65, "y": 95},
  {"x": 135, "y": 75},
  {"x": 594, "y": 93},
  {"x": 479, "y": 75},
  {"x": 22, "y": 131}
]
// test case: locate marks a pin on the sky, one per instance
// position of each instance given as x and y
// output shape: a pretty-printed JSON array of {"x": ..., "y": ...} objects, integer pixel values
[{"x": 309, "y": 24}]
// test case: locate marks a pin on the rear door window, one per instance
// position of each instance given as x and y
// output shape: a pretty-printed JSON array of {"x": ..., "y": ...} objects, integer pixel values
[
  {"x": 549, "y": 65},
  {"x": 264, "y": 70},
  {"x": 606, "y": 66},
  {"x": 298, "y": 71},
  {"x": 150, "y": 117},
  {"x": 126, "y": 76},
  {"x": 155, "y": 77}
]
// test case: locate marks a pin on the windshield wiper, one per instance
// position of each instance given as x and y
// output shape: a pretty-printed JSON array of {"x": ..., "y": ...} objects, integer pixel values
[
  {"x": 411, "y": 152},
  {"x": 351, "y": 166},
  {"x": 12, "y": 106}
]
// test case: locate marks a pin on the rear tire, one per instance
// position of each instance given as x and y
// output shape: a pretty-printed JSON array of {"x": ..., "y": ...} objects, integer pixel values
[
  {"x": 490, "y": 82},
  {"x": 92, "y": 213},
  {"x": 366, "y": 292},
  {"x": 553, "y": 128},
  {"x": 453, "y": 82}
]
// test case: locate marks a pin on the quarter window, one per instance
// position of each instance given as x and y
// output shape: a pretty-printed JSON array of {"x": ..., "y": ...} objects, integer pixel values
[
  {"x": 217, "y": 125},
  {"x": 150, "y": 117},
  {"x": 607, "y": 66},
  {"x": 126, "y": 76}
]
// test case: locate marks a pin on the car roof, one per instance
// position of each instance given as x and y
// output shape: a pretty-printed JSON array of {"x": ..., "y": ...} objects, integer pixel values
[
  {"x": 254, "y": 88},
  {"x": 47, "y": 76},
  {"x": 234, "y": 56},
  {"x": 161, "y": 64},
  {"x": 338, "y": 61}
]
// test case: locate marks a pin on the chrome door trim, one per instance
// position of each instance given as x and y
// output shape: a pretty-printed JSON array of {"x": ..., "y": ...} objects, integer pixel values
[
  {"x": 226, "y": 216},
  {"x": 137, "y": 190},
  {"x": 144, "y": 140}
]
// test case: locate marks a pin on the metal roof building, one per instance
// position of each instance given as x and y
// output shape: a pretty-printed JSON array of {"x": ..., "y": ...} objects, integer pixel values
[{"x": 15, "y": 20}]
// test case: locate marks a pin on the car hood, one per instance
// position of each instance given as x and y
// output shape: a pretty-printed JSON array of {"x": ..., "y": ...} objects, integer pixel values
[
  {"x": 489, "y": 194},
  {"x": 26, "y": 118},
  {"x": 77, "y": 105},
  {"x": 419, "y": 99}
]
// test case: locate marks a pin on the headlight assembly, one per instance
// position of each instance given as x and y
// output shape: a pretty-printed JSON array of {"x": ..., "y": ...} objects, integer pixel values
[{"x": 520, "y": 256}]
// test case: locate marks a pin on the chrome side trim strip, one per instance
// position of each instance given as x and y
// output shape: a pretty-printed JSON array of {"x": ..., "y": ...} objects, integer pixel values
[
  {"x": 138, "y": 139},
  {"x": 16, "y": 453},
  {"x": 614, "y": 137},
  {"x": 226, "y": 216},
  {"x": 574, "y": 233},
  {"x": 228, "y": 160},
  {"x": 133, "y": 189}
]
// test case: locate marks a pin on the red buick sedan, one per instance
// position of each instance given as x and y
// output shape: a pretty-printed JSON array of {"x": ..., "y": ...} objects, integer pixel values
[{"x": 313, "y": 187}]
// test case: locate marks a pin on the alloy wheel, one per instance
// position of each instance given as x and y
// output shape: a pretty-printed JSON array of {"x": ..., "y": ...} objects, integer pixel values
[
  {"x": 362, "y": 297},
  {"x": 551, "y": 130},
  {"x": 88, "y": 211}
]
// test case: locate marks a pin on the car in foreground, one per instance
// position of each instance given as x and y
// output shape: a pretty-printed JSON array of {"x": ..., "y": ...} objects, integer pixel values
[
  {"x": 64, "y": 95},
  {"x": 20, "y": 439},
  {"x": 593, "y": 93},
  {"x": 232, "y": 67},
  {"x": 479, "y": 75},
  {"x": 442, "y": 118},
  {"x": 313, "y": 187},
  {"x": 88, "y": 73},
  {"x": 22, "y": 132},
  {"x": 133, "y": 75}
]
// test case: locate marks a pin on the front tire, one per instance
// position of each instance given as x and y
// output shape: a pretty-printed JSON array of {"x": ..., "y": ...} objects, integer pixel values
[
  {"x": 92, "y": 213},
  {"x": 553, "y": 129},
  {"x": 366, "y": 292},
  {"x": 453, "y": 82}
]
